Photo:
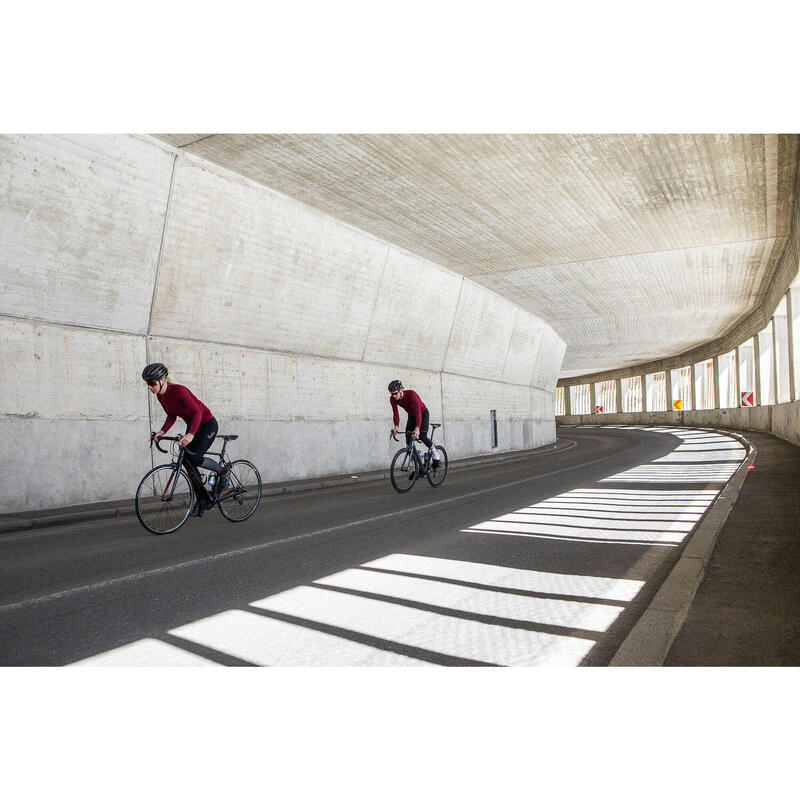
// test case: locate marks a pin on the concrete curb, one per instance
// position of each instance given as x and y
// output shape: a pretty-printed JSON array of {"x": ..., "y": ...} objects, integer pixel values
[
  {"x": 15, "y": 523},
  {"x": 648, "y": 643}
]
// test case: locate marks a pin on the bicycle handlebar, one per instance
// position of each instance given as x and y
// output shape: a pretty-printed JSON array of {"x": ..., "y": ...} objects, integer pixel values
[
  {"x": 162, "y": 439},
  {"x": 393, "y": 436}
]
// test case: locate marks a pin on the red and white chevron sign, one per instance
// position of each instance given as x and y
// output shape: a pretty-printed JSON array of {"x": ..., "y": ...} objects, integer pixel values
[{"x": 748, "y": 401}]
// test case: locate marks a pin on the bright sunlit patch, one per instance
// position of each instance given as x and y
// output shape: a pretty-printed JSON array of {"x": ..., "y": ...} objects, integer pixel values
[
  {"x": 674, "y": 473},
  {"x": 531, "y": 517},
  {"x": 692, "y": 457},
  {"x": 272, "y": 642},
  {"x": 619, "y": 516},
  {"x": 545, "y": 611},
  {"x": 596, "y": 534},
  {"x": 428, "y": 630},
  {"x": 145, "y": 653},
  {"x": 551, "y": 513},
  {"x": 489, "y": 575},
  {"x": 639, "y": 494},
  {"x": 710, "y": 447}
]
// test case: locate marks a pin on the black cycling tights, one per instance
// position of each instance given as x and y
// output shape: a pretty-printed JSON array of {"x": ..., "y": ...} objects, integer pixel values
[
  {"x": 196, "y": 449},
  {"x": 423, "y": 428}
]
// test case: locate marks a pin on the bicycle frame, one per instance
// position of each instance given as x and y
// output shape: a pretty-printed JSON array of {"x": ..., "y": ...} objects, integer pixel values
[
  {"x": 194, "y": 475},
  {"x": 423, "y": 463}
]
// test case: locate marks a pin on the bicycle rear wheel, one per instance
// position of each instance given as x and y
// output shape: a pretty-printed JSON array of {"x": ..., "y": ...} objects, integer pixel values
[
  {"x": 164, "y": 499},
  {"x": 242, "y": 494},
  {"x": 404, "y": 471}
]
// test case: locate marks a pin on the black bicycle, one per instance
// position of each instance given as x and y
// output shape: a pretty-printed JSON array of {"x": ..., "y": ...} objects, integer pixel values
[
  {"x": 409, "y": 464},
  {"x": 169, "y": 493}
]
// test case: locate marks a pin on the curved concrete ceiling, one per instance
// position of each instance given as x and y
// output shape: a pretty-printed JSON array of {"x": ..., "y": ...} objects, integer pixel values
[{"x": 632, "y": 247}]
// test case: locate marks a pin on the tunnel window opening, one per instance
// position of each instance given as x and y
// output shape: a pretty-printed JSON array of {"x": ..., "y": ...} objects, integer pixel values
[
  {"x": 793, "y": 321},
  {"x": 727, "y": 380},
  {"x": 656, "y": 390},
  {"x": 493, "y": 419},
  {"x": 704, "y": 384},
  {"x": 632, "y": 394},
  {"x": 780, "y": 327},
  {"x": 606, "y": 397},
  {"x": 766, "y": 366},
  {"x": 558, "y": 402},
  {"x": 747, "y": 372},
  {"x": 580, "y": 399},
  {"x": 682, "y": 389}
]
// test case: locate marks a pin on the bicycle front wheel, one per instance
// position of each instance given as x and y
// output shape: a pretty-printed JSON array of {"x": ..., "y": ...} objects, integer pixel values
[
  {"x": 404, "y": 471},
  {"x": 436, "y": 476},
  {"x": 164, "y": 499},
  {"x": 242, "y": 495}
]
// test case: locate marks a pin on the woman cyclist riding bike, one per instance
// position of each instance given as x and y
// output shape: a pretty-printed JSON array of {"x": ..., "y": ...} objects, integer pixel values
[
  {"x": 418, "y": 416},
  {"x": 201, "y": 426}
]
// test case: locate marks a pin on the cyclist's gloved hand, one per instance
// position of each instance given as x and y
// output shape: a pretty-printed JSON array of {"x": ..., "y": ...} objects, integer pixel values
[
  {"x": 416, "y": 433},
  {"x": 154, "y": 437}
]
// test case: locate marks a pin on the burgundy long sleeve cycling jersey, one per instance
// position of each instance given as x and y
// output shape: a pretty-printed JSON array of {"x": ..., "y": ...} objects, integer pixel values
[
  {"x": 411, "y": 403},
  {"x": 178, "y": 401}
]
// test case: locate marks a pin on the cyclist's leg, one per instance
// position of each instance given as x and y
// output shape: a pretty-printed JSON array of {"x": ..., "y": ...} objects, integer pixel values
[
  {"x": 204, "y": 438},
  {"x": 196, "y": 449},
  {"x": 409, "y": 432},
  {"x": 423, "y": 434},
  {"x": 409, "y": 429},
  {"x": 423, "y": 428}
]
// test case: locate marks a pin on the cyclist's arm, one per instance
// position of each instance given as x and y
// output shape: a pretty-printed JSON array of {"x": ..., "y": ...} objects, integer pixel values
[
  {"x": 395, "y": 415},
  {"x": 168, "y": 423},
  {"x": 417, "y": 415}
]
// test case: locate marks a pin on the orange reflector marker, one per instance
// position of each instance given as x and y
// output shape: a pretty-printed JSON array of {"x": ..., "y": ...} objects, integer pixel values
[{"x": 751, "y": 467}]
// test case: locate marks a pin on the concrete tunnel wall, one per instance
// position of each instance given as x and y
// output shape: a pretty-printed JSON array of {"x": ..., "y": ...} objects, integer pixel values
[{"x": 120, "y": 250}]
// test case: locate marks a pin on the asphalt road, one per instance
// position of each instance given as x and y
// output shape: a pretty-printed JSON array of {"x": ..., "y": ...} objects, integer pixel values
[{"x": 548, "y": 559}]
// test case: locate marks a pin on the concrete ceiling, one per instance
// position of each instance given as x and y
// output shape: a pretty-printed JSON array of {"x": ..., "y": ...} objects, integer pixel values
[{"x": 632, "y": 247}]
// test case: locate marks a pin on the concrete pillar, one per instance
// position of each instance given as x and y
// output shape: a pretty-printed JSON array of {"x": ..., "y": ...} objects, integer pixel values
[
  {"x": 643, "y": 379},
  {"x": 668, "y": 388},
  {"x": 693, "y": 386},
  {"x": 618, "y": 387},
  {"x": 715, "y": 368},
  {"x": 736, "y": 379},
  {"x": 592, "y": 398},
  {"x": 567, "y": 401}
]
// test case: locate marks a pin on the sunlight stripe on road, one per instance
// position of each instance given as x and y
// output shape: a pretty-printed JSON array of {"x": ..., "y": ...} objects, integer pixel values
[
  {"x": 145, "y": 653},
  {"x": 428, "y": 630},
  {"x": 503, "y": 577},
  {"x": 273, "y": 642},
  {"x": 488, "y": 602}
]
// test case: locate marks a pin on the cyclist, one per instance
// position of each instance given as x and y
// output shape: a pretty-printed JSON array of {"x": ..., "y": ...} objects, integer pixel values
[
  {"x": 418, "y": 416},
  {"x": 201, "y": 427}
]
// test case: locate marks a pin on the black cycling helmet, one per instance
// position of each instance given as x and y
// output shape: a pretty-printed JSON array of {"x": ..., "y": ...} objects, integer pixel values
[
  {"x": 394, "y": 386},
  {"x": 154, "y": 372}
]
